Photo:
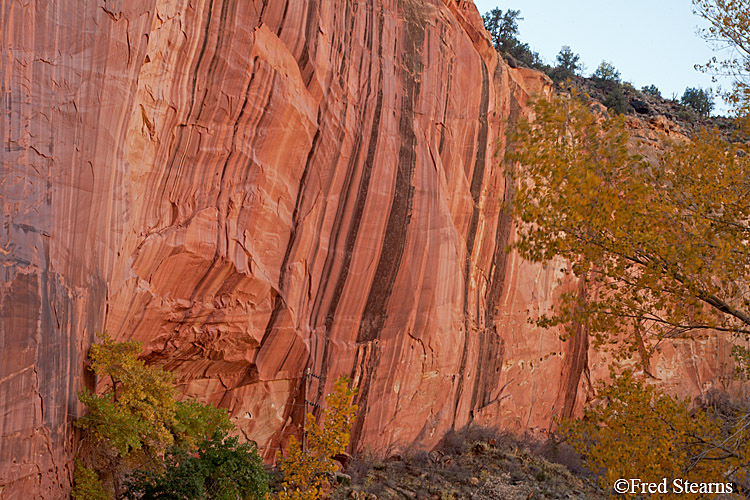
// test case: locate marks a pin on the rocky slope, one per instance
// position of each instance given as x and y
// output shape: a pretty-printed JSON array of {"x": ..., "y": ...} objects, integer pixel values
[
  {"x": 256, "y": 188},
  {"x": 474, "y": 463}
]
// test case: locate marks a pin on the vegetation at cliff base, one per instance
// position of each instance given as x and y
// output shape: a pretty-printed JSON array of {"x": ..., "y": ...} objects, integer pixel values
[
  {"x": 306, "y": 472},
  {"x": 141, "y": 443},
  {"x": 137, "y": 426},
  {"x": 218, "y": 468},
  {"x": 634, "y": 431}
]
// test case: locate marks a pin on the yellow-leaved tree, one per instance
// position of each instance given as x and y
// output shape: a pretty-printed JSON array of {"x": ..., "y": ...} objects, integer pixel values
[
  {"x": 729, "y": 28},
  {"x": 307, "y": 471},
  {"x": 135, "y": 419},
  {"x": 636, "y": 432},
  {"x": 661, "y": 251}
]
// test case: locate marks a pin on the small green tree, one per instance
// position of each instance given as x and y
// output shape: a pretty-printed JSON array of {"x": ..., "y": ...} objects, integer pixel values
[
  {"x": 86, "y": 484},
  {"x": 503, "y": 28},
  {"x": 651, "y": 90},
  {"x": 305, "y": 471},
  {"x": 220, "y": 468},
  {"x": 606, "y": 74},
  {"x": 568, "y": 64},
  {"x": 699, "y": 99}
]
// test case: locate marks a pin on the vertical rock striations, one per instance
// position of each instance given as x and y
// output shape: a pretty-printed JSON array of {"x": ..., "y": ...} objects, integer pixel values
[{"x": 252, "y": 188}]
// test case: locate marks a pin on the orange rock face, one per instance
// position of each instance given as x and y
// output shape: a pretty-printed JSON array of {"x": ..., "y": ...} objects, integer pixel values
[{"x": 254, "y": 188}]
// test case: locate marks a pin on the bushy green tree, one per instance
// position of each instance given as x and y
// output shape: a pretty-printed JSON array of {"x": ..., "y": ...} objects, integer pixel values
[
  {"x": 651, "y": 90},
  {"x": 607, "y": 78},
  {"x": 137, "y": 417},
  {"x": 606, "y": 74},
  {"x": 503, "y": 28},
  {"x": 616, "y": 100},
  {"x": 568, "y": 60},
  {"x": 220, "y": 468},
  {"x": 699, "y": 99}
]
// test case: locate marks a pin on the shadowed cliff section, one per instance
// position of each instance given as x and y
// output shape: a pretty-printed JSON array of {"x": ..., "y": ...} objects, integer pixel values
[{"x": 256, "y": 188}]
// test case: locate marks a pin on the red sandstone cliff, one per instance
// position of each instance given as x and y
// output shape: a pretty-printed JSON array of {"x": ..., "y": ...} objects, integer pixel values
[{"x": 252, "y": 188}]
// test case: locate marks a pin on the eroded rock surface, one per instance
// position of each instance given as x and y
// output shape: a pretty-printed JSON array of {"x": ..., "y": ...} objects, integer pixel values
[{"x": 254, "y": 188}]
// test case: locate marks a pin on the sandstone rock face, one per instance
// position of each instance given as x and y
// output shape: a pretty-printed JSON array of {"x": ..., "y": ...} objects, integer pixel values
[{"x": 254, "y": 188}]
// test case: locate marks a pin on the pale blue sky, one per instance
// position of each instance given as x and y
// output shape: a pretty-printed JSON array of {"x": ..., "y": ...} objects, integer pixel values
[{"x": 648, "y": 41}]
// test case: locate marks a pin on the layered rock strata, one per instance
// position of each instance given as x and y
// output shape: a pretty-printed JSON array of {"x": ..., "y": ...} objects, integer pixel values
[{"x": 255, "y": 188}]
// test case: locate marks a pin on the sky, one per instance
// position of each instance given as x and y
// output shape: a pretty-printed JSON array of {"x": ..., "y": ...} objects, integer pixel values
[{"x": 648, "y": 41}]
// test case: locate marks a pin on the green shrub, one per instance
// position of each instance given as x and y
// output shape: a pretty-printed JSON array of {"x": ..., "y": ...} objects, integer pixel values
[
  {"x": 606, "y": 75},
  {"x": 86, "y": 484},
  {"x": 700, "y": 100},
  {"x": 220, "y": 469},
  {"x": 651, "y": 90},
  {"x": 686, "y": 115},
  {"x": 616, "y": 100},
  {"x": 196, "y": 421}
]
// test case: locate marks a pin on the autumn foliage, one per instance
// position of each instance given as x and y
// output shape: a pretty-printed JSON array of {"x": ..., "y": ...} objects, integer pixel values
[
  {"x": 634, "y": 431},
  {"x": 660, "y": 249},
  {"x": 306, "y": 471},
  {"x": 729, "y": 27},
  {"x": 136, "y": 419}
]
